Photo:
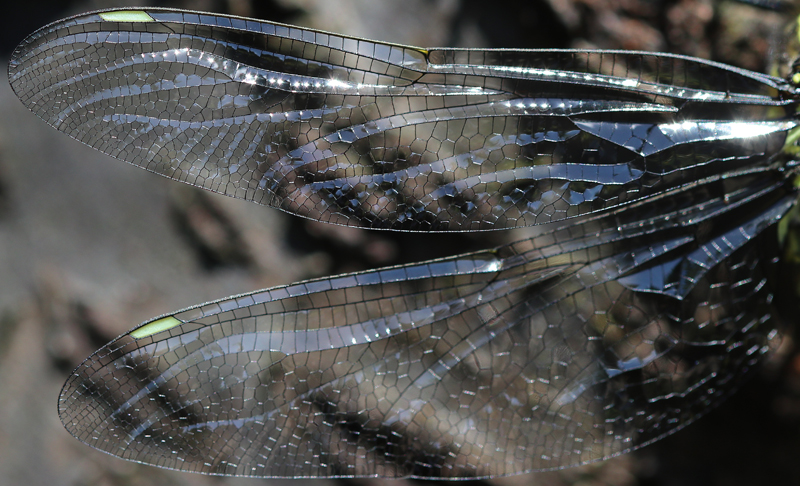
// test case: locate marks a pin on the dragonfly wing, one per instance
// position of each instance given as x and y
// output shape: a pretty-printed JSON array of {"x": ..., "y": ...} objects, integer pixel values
[
  {"x": 567, "y": 348},
  {"x": 370, "y": 134}
]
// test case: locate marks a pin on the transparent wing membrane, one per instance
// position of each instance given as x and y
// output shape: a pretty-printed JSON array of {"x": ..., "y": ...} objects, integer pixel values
[
  {"x": 369, "y": 134},
  {"x": 626, "y": 323},
  {"x": 566, "y": 348}
]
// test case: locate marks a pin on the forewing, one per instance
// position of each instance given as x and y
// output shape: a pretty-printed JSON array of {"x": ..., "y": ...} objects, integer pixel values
[
  {"x": 370, "y": 134},
  {"x": 570, "y": 347}
]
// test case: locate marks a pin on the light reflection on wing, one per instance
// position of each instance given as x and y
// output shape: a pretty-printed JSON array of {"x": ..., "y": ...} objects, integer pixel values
[
  {"x": 569, "y": 347},
  {"x": 583, "y": 342},
  {"x": 369, "y": 134}
]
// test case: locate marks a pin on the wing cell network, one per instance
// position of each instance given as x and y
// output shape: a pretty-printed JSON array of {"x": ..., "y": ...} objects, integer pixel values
[
  {"x": 574, "y": 346},
  {"x": 369, "y": 134},
  {"x": 645, "y": 308}
]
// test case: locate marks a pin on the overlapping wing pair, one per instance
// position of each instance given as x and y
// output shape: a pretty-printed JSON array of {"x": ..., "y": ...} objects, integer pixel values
[{"x": 641, "y": 311}]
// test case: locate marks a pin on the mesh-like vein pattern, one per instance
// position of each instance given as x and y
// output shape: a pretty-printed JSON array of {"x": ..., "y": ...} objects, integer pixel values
[
  {"x": 569, "y": 347},
  {"x": 578, "y": 344},
  {"x": 362, "y": 133}
]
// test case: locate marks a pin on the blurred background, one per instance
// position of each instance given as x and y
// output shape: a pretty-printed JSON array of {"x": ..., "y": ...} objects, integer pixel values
[{"x": 90, "y": 247}]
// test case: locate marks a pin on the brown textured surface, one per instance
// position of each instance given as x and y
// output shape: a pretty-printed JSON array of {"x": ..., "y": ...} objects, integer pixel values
[{"x": 91, "y": 247}]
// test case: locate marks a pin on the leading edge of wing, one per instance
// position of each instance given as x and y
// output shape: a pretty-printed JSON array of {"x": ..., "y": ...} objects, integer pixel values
[
  {"x": 370, "y": 134},
  {"x": 499, "y": 362}
]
